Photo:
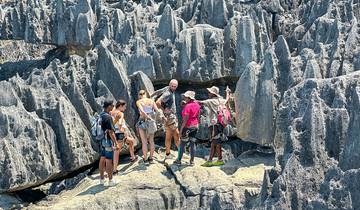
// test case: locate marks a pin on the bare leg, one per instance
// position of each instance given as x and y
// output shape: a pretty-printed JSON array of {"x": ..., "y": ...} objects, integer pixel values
[
  {"x": 143, "y": 142},
  {"x": 116, "y": 156},
  {"x": 152, "y": 145},
  {"x": 109, "y": 168},
  {"x": 131, "y": 141},
  {"x": 102, "y": 167}
]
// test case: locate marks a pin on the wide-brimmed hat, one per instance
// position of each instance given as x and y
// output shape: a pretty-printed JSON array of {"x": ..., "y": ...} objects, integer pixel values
[
  {"x": 189, "y": 94},
  {"x": 214, "y": 90}
]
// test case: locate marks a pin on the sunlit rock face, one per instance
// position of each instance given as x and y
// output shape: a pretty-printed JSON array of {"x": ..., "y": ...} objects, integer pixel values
[{"x": 296, "y": 64}]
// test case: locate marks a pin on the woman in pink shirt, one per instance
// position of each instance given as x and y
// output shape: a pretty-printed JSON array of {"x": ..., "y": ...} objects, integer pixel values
[{"x": 189, "y": 127}]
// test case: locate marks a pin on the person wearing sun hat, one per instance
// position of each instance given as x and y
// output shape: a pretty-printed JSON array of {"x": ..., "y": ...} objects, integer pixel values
[
  {"x": 190, "y": 123},
  {"x": 215, "y": 128}
]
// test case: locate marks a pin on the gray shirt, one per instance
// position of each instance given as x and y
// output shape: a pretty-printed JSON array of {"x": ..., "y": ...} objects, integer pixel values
[
  {"x": 213, "y": 105},
  {"x": 168, "y": 98}
]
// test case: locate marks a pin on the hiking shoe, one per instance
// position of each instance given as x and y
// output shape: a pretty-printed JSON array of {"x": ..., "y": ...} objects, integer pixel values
[
  {"x": 150, "y": 160},
  {"x": 167, "y": 156},
  {"x": 207, "y": 164},
  {"x": 112, "y": 183},
  {"x": 102, "y": 182},
  {"x": 218, "y": 163},
  {"x": 177, "y": 162},
  {"x": 142, "y": 161}
]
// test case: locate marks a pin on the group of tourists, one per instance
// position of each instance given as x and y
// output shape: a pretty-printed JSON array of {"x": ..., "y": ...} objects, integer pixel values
[{"x": 111, "y": 128}]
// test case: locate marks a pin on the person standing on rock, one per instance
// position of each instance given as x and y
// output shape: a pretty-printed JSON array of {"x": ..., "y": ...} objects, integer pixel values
[
  {"x": 120, "y": 134},
  {"x": 189, "y": 126},
  {"x": 168, "y": 105},
  {"x": 108, "y": 142},
  {"x": 215, "y": 128},
  {"x": 146, "y": 125}
]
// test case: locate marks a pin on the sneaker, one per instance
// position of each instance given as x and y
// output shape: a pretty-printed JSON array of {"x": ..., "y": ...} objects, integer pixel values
[
  {"x": 112, "y": 183},
  {"x": 177, "y": 162},
  {"x": 142, "y": 161},
  {"x": 167, "y": 156},
  {"x": 207, "y": 164},
  {"x": 218, "y": 163},
  {"x": 102, "y": 182},
  {"x": 150, "y": 160}
]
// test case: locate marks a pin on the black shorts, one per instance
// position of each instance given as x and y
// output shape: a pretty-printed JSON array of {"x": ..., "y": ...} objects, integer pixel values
[
  {"x": 189, "y": 132},
  {"x": 120, "y": 136}
]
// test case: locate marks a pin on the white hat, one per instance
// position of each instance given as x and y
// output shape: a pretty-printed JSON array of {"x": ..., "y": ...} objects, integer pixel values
[
  {"x": 189, "y": 94},
  {"x": 214, "y": 90}
]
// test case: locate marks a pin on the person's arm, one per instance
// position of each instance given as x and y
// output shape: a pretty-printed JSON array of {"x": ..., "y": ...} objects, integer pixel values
[
  {"x": 158, "y": 103},
  {"x": 111, "y": 130},
  {"x": 117, "y": 118},
  {"x": 204, "y": 102},
  {"x": 161, "y": 99},
  {"x": 184, "y": 121},
  {"x": 228, "y": 94},
  {"x": 155, "y": 106},
  {"x": 112, "y": 137}
]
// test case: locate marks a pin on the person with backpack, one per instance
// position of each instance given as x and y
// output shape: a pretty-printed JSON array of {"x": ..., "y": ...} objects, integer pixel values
[
  {"x": 218, "y": 117},
  {"x": 146, "y": 124},
  {"x": 167, "y": 103},
  {"x": 108, "y": 142},
  {"x": 189, "y": 126},
  {"x": 120, "y": 134}
]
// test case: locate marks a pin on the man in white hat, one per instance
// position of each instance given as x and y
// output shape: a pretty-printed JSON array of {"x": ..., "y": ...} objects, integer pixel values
[
  {"x": 215, "y": 128},
  {"x": 189, "y": 126}
]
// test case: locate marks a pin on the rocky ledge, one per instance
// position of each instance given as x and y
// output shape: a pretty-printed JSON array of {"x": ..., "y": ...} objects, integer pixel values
[{"x": 167, "y": 186}]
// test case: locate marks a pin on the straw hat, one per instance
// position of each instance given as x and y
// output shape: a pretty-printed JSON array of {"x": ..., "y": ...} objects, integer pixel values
[
  {"x": 189, "y": 94},
  {"x": 214, "y": 90}
]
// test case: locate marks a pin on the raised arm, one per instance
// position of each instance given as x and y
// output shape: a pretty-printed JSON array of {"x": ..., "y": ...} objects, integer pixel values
[{"x": 228, "y": 94}]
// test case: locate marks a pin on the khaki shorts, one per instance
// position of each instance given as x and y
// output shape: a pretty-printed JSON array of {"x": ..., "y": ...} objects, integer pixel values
[{"x": 171, "y": 121}]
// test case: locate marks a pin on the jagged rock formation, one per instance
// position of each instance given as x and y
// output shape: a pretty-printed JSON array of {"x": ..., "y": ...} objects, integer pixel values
[
  {"x": 58, "y": 101},
  {"x": 51, "y": 139},
  {"x": 284, "y": 52},
  {"x": 318, "y": 145}
]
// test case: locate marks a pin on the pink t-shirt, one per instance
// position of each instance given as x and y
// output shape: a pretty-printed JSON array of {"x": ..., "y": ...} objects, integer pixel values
[{"x": 193, "y": 110}]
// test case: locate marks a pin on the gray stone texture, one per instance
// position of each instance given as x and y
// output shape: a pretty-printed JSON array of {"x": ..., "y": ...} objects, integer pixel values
[{"x": 296, "y": 62}]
